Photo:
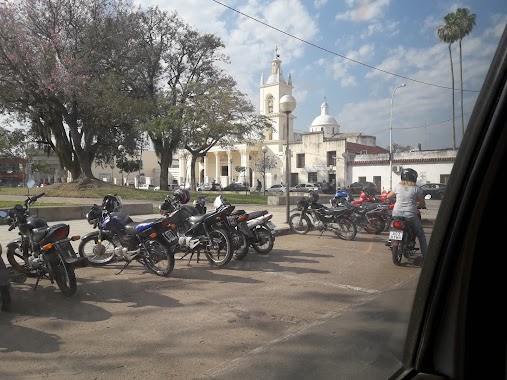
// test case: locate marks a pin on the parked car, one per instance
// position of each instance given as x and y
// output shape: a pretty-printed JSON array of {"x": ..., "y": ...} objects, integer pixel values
[
  {"x": 146, "y": 186},
  {"x": 236, "y": 186},
  {"x": 306, "y": 187},
  {"x": 356, "y": 188},
  {"x": 277, "y": 189},
  {"x": 436, "y": 190},
  {"x": 208, "y": 187}
]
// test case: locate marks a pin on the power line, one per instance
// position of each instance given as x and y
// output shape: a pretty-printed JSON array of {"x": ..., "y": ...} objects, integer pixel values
[{"x": 342, "y": 56}]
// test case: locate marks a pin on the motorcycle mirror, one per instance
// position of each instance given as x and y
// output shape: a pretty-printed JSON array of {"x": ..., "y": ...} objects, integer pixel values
[
  {"x": 427, "y": 196},
  {"x": 3, "y": 214},
  {"x": 30, "y": 183}
]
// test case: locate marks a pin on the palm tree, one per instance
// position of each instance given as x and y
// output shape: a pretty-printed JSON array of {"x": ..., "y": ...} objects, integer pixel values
[
  {"x": 447, "y": 33},
  {"x": 465, "y": 23}
]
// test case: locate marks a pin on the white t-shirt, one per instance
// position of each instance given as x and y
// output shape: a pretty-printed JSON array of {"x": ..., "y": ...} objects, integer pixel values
[{"x": 406, "y": 200}]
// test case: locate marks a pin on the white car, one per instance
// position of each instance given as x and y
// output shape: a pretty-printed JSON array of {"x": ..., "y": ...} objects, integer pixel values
[
  {"x": 306, "y": 187},
  {"x": 277, "y": 189},
  {"x": 146, "y": 186}
]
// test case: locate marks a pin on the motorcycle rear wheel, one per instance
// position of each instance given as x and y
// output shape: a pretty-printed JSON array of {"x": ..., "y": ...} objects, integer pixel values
[
  {"x": 345, "y": 229},
  {"x": 219, "y": 250},
  {"x": 397, "y": 252},
  {"x": 89, "y": 249},
  {"x": 265, "y": 240},
  {"x": 64, "y": 276},
  {"x": 300, "y": 224},
  {"x": 159, "y": 258}
]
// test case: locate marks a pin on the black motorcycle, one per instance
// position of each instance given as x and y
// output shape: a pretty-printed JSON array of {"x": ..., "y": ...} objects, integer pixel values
[
  {"x": 119, "y": 237},
  {"x": 192, "y": 233},
  {"x": 309, "y": 213},
  {"x": 371, "y": 217},
  {"x": 252, "y": 229},
  {"x": 41, "y": 250}
]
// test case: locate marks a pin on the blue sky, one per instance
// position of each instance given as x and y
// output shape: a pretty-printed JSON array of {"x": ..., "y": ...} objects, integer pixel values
[{"x": 336, "y": 50}]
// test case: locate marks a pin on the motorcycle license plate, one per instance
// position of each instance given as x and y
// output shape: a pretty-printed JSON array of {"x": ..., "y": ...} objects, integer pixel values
[
  {"x": 395, "y": 235},
  {"x": 272, "y": 226},
  {"x": 170, "y": 236},
  {"x": 232, "y": 221}
]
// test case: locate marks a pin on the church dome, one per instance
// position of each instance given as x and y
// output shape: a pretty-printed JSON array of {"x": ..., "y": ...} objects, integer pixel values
[{"x": 324, "y": 120}]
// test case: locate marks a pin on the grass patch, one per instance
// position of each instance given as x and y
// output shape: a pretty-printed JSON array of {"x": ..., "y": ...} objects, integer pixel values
[{"x": 98, "y": 189}]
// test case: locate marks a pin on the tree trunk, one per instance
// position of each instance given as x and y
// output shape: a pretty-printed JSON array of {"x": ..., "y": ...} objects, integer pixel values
[
  {"x": 461, "y": 81},
  {"x": 192, "y": 172},
  {"x": 453, "y": 108}
]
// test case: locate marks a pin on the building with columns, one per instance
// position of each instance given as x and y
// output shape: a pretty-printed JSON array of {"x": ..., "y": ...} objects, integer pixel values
[
  {"x": 319, "y": 153},
  {"x": 315, "y": 156}
]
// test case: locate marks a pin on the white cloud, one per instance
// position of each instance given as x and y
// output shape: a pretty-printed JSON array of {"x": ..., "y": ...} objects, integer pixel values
[{"x": 363, "y": 10}]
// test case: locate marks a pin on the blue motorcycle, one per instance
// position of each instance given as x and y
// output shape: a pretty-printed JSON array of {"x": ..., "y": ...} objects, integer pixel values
[{"x": 342, "y": 195}]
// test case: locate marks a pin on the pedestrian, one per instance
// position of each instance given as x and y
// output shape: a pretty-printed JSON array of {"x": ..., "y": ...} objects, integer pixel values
[{"x": 259, "y": 186}]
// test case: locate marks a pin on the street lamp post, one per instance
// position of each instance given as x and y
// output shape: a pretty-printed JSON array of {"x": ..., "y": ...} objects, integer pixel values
[
  {"x": 264, "y": 151},
  {"x": 287, "y": 105},
  {"x": 391, "y": 140},
  {"x": 121, "y": 149}
]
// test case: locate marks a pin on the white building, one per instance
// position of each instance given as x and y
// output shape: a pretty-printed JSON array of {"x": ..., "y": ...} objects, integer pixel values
[{"x": 322, "y": 153}]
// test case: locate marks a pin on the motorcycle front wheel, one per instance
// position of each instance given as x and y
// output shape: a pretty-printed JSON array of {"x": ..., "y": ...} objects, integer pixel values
[
  {"x": 300, "y": 224},
  {"x": 64, "y": 275},
  {"x": 264, "y": 240},
  {"x": 159, "y": 258},
  {"x": 17, "y": 262},
  {"x": 345, "y": 229},
  {"x": 241, "y": 245},
  {"x": 376, "y": 226},
  {"x": 96, "y": 254},
  {"x": 219, "y": 250}
]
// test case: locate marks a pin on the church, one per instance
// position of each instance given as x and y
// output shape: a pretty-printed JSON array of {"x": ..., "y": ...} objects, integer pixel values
[{"x": 318, "y": 155}]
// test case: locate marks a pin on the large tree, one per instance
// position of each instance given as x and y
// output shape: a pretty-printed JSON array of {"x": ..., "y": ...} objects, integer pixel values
[
  {"x": 447, "y": 33},
  {"x": 464, "y": 24},
  {"x": 65, "y": 65},
  {"x": 219, "y": 114}
]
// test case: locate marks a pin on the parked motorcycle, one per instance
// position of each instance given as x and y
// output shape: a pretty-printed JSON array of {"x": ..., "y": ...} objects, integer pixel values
[
  {"x": 341, "y": 196},
  {"x": 257, "y": 230},
  {"x": 401, "y": 238},
  {"x": 119, "y": 237},
  {"x": 371, "y": 217},
  {"x": 193, "y": 233},
  {"x": 41, "y": 250},
  {"x": 309, "y": 213}
]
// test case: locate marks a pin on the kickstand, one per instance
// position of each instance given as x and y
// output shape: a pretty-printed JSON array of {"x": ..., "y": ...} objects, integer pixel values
[
  {"x": 321, "y": 232},
  {"x": 122, "y": 269},
  {"x": 37, "y": 282}
]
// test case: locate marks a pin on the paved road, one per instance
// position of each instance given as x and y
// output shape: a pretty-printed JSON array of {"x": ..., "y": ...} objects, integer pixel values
[{"x": 314, "y": 308}]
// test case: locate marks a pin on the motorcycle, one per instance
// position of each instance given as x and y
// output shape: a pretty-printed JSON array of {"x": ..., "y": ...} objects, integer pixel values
[
  {"x": 255, "y": 229},
  {"x": 309, "y": 213},
  {"x": 371, "y": 217},
  {"x": 41, "y": 250},
  {"x": 341, "y": 196},
  {"x": 401, "y": 240},
  {"x": 193, "y": 233},
  {"x": 119, "y": 237}
]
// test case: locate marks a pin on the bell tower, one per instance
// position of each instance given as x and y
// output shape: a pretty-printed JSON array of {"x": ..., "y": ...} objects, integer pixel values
[{"x": 271, "y": 91}]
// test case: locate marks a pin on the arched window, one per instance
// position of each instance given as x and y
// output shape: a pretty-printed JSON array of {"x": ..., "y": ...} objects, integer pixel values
[{"x": 270, "y": 104}]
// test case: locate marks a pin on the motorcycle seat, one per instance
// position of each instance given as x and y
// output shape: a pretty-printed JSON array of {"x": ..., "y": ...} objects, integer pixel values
[{"x": 256, "y": 214}]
